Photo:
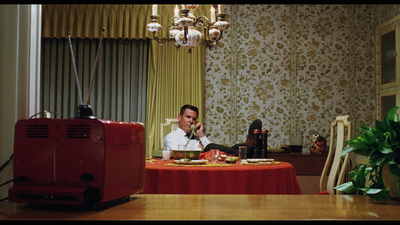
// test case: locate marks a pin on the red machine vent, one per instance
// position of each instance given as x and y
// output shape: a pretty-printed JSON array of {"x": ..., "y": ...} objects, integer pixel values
[
  {"x": 78, "y": 131},
  {"x": 37, "y": 131}
]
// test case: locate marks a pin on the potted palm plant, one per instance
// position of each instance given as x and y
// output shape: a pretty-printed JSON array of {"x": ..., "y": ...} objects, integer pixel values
[{"x": 379, "y": 178}]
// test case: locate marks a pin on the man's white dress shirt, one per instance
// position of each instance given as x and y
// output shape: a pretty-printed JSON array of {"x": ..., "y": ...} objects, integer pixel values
[{"x": 178, "y": 137}]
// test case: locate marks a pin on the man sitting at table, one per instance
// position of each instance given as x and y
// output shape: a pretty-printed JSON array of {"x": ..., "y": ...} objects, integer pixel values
[{"x": 188, "y": 116}]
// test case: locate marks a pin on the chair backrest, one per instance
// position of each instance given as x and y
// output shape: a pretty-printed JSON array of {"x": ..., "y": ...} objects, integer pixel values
[
  {"x": 166, "y": 128},
  {"x": 334, "y": 171}
]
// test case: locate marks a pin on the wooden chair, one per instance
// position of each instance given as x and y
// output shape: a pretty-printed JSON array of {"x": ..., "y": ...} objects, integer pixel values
[
  {"x": 334, "y": 171},
  {"x": 165, "y": 128}
]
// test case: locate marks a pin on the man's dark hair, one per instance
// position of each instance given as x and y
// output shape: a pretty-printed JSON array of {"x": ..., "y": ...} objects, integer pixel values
[{"x": 191, "y": 107}]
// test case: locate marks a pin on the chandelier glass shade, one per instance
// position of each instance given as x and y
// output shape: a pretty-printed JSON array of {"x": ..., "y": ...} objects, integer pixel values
[{"x": 189, "y": 31}]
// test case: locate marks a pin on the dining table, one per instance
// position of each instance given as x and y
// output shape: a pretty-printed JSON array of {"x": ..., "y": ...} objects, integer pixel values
[
  {"x": 169, "y": 177},
  {"x": 170, "y": 207}
]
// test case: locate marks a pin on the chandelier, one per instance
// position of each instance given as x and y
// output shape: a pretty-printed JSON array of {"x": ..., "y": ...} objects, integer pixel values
[{"x": 189, "y": 31}]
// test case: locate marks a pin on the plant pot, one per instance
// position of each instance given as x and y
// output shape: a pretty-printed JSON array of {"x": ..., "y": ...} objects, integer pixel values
[{"x": 392, "y": 181}]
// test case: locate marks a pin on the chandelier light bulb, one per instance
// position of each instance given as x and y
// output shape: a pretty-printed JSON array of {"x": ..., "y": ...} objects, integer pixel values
[
  {"x": 176, "y": 11},
  {"x": 212, "y": 14},
  {"x": 154, "y": 9}
]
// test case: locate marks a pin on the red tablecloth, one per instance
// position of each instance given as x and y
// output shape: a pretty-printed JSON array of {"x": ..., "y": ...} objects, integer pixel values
[{"x": 236, "y": 179}]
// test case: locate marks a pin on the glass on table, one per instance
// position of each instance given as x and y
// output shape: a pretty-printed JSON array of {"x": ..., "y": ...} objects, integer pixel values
[
  {"x": 242, "y": 152},
  {"x": 214, "y": 155},
  {"x": 166, "y": 154}
]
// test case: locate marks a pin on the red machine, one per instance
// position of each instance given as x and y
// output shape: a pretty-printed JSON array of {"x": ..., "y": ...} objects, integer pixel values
[{"x": 77, "y": 161}]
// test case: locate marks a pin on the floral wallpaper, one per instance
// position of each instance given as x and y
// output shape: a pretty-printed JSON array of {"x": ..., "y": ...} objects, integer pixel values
[
  {"x": 295, "y": 67},
  {"x": 385, "y": 12}
]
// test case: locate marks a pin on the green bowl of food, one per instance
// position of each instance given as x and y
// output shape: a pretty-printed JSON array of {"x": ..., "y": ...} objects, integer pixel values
[{"x": 186, "y": 153}]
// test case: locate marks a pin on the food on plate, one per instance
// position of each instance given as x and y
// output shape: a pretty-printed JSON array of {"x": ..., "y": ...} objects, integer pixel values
[{"x": 230, "y": 159}]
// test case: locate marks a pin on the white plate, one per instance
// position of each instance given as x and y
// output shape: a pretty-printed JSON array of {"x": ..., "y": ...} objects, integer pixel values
[
  {"x": 198, "y": 161},
  {"x": 259, "y": 160},
  {"x": 184, "y": 150},
  {"x": 191, "y": 162},
  {"x": 270, "y": 162}
]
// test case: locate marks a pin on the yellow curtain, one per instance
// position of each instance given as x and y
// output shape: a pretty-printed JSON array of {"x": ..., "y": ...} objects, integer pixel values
[
  {"x": 175, "y": 78},
  {"x": 87, "y": 21},
  {"x": 120, "y": 20}
]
